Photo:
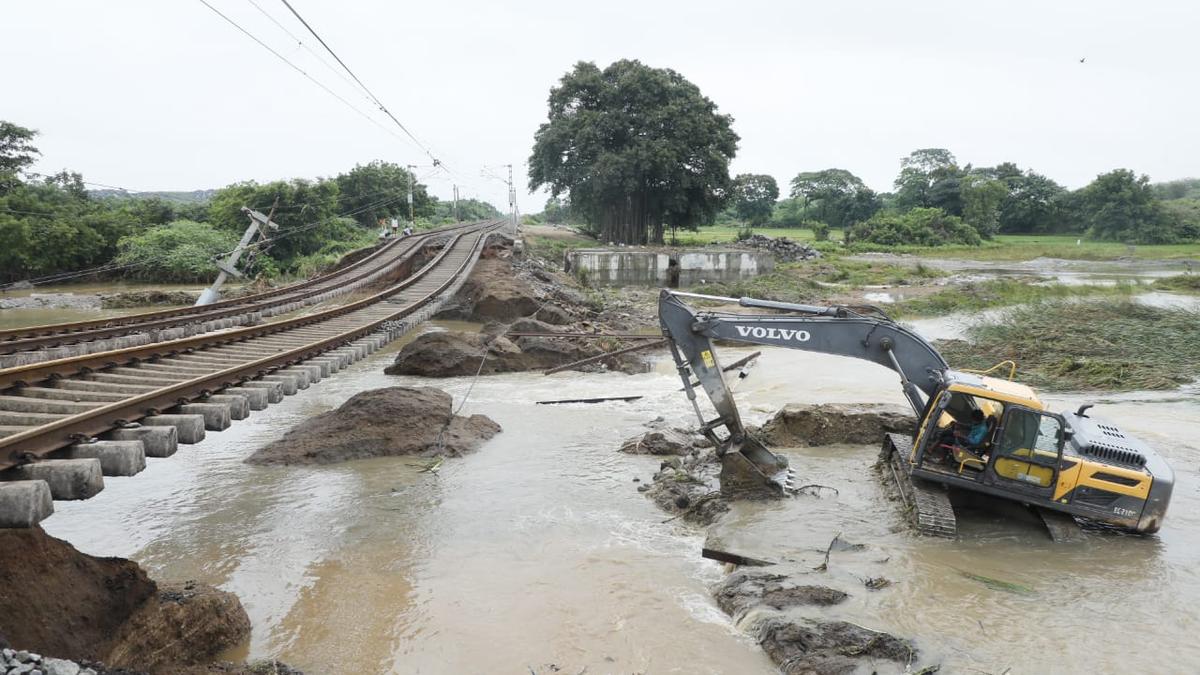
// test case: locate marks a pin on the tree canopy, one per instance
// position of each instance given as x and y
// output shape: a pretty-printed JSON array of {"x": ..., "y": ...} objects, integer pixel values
[
  {"x": 836, "y": 196},
  {"x": 369, "y": 192},
  {"x": 1120, "y": 205},
  {"x": 929, "y": 178},
  {"x": 754, "y": 197},
  {"x": 636, "y": 149},
  {"x": 17, "y": 151},
  {"x": 52, "y": 224}
]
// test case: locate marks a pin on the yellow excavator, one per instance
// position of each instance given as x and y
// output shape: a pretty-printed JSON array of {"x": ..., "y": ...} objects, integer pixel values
[{"x": 975, "y": 432}]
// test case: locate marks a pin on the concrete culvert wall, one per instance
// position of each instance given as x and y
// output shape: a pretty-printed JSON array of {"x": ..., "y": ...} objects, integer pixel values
[{"x": 605, "y": 267}]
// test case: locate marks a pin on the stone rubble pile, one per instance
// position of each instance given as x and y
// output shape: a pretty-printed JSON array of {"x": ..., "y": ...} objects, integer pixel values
[
  {"x": 20, "y": 662},
  {"x": 784, "y": 249},
  {"x": 51, "y": 301}
]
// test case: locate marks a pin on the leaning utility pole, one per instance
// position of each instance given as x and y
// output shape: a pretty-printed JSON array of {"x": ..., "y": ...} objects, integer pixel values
[
  {"x": 227, "y": 267},
  {"x": 456, "y": 219}
]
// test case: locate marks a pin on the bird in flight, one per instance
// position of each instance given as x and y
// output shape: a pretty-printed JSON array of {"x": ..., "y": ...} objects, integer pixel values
[{"x": 1083, "y": 59}]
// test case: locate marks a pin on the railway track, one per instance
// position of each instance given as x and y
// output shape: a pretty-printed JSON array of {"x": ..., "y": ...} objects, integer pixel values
[
  {"x": 21, "y": 346},
  {"x": 66, "y": 424}
]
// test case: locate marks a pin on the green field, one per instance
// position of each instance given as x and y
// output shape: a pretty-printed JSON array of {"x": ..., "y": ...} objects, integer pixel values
[{"x": 1004, "y": 247}]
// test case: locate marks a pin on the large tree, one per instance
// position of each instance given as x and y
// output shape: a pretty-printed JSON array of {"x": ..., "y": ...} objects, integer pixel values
[
  {"x": 754, "y": 197},
  {"x": 982, "y": 198},
  {"x": 1120, "y": 205},
  {"x": 377, "y": 190},
  {"x": 16, "y": 153},
  {"x": 636, "y": 149},
  {"x": 930, "y": 178},
  {"x": 1032, "y": 203},
  {"x": 835, "y": 196}
]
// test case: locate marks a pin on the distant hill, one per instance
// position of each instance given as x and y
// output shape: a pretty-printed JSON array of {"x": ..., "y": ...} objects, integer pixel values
[{"x": 183, "y": 197}]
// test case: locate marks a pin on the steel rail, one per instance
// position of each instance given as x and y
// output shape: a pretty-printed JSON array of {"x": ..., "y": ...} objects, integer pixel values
[
  {"x": 86, "y": 363},
  {"x": 42, "y": 440},
  {"x": 52, "y": 335}
]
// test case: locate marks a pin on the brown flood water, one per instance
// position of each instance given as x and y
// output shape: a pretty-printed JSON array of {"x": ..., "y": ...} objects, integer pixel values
[{"x": 538, "y": 550}]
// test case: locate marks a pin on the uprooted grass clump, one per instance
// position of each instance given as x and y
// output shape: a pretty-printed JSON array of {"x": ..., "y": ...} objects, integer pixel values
[
  {"x": 975, "y": 296},
  {"x": 786, "y": 283},
  {"x": 1107, "y": 345},
  {"x": 1188, "y": 283},
  {"x": 811, "y": 281}
]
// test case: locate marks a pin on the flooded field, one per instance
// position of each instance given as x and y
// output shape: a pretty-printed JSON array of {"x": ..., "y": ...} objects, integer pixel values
[{"x": 538, "y": 550}]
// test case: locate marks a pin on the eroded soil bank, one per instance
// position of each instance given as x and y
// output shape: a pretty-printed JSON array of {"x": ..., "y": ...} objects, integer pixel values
[
  {"x": 511, "y": 297},
  {"x": 59, "y": 603}
]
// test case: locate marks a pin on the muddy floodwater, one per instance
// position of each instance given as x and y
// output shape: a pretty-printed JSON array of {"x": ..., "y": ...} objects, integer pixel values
[{"x": 538, "y": 549}]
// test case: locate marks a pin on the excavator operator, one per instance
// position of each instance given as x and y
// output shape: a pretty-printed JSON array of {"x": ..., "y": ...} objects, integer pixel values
[
  {"x": 962, "y": 437},
  {"x": 972, "y": 435}
]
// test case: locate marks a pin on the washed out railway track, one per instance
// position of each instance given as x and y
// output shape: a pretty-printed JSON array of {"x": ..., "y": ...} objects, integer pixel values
[
  {"x": 66, "y": 423},
  {"x": 20, "y": 346}
]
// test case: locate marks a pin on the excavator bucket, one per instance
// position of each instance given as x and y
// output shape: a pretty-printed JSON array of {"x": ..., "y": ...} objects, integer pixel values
[{"x": 750, "y": 470}]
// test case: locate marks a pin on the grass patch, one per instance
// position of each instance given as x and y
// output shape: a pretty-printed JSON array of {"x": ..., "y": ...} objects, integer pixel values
[
  {"x": 790, "y": 282},
  {"x": 980, "y": 295},
  {"x": 552, "y": 247},
  {"x": 1186, "y": 283},
  {"x": 802, "y": 281},
  {"x": 1014, "y": 247},
  {"x": 1005, "y": 247},
  {"x": 1105, "y": 345},
  {"x": 859, "y": 273}
]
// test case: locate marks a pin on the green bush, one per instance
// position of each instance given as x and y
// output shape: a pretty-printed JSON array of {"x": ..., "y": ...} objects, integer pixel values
[
  {"x": 820, "y": 230},
  {"x": 744, "y": 232},
  {"x": 917, "y": 227},
  {"x": 319, "y": 262},
  {"x": 180, "y": 251}
]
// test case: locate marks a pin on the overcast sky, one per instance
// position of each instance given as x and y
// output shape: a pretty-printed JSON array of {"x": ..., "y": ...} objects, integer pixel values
[{"x": 165, "y": 95}]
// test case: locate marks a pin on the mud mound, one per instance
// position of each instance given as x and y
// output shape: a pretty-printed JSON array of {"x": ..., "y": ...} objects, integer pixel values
[
  {"x": 382, "y": 422},
  {"x": 748, "y": 588},
  {"x": 688, "y": 488},
  {"x": 799, "y": 425},
  {"x": 494, "y": 292},
  {"x": 812, "y": 647},
  {"x": 188, "y": 624},
  {"x": 69, "y": 612},
  {"x": 147, "y": 298},
  {"x": 58, "y": 601},
  {"x": 455, "y": 353},
  {"x": 661, "y": 442}
]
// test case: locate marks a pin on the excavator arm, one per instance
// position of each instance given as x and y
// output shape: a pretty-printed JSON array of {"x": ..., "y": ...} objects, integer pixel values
[{"x": 840, "y": 331}]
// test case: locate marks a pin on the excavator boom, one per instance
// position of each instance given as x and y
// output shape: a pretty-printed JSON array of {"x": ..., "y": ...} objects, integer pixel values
[{"x": 829, "y": 330}]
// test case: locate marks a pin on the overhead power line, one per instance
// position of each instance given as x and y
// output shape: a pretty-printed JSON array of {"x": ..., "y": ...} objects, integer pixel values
[
  {"x": 303, "y": 72},
  {"x": 436, "y": 161},
  {"x": 307, "y": 48}
]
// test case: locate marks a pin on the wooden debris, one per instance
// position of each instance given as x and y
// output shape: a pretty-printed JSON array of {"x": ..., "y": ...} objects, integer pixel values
[
  {"x": 591, "y": 400},
  {"x": 733, "y": 558},
  {"x": 600, "y": 357}
]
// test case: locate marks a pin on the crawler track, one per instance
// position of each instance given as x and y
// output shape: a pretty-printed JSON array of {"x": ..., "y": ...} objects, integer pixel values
[
  {"x": 33, "y": 344},
  {"x": 58, "y": 409},
  {"x": 927, "y": 504}
]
